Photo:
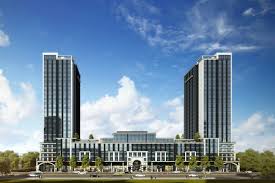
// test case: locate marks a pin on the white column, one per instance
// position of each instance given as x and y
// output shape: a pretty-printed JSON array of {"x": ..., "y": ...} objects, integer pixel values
[
  {"x": 37, "y": 166},
  {"x": 204, "y": 150},
  {"x": 70, "y": 148},
  {"x": 70, "y": 152},
  {"x": 218, "y": 147},
  {"x": 238, "y": 167}
]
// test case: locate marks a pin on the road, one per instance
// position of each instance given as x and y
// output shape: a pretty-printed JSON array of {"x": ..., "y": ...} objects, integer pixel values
[
  {"x": 132, "y": 176},
  {"x": 110, "y": 176}
]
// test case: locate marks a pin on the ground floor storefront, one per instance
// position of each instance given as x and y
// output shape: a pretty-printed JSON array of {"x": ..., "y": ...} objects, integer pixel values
[{"x": 135, "y": 166}]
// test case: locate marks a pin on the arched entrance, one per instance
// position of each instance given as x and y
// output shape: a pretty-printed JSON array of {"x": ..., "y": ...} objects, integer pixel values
[
  {"x": 46, "y": 167},
  {"x": 233, "y": 166},
  {"x": 136, "y": 165}
]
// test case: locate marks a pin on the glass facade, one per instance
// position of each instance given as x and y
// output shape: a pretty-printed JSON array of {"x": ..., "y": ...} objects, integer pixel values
[
  {"x": 138, "y": 144},
  {"x": 217, "y": 98},
  {"x": 116, "y": 151},
  {"x": 191, "y": 125},
  {"x": 214, "y": 80},
  {"x": 61, "y": 100}
]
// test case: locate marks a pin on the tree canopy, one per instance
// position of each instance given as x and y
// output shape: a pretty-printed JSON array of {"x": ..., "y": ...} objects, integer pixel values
[
  {"x": 12, "y": 157},
  {"x": 179, "y": 162},
  {"x": 218, "y": 163},
  {"x": 76, "y": 136},
  {"x": 193, "y": 162},
  {"x": 205, "y": 163},
  {"x": 250, "y": 160},
  {"x": 98, "y": 163},
  {"x": 257, "y": 162},
  {"x": 5, "y": 165},
  {"x": 73, "y": 162},
  {"x": 91, "y": 136},
  {"x": 197, "y": 137},
  {"x": 29, "y": 160},
  {"x": 10, "y": 160},
  {"x": 59, "y": 162},
  {"x": 85, "y": 161}
]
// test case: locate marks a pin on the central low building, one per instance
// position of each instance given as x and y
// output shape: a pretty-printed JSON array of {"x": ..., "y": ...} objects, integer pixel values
[
  {"x": 129, "y": 151},
  {"x": 143, "y": 151}
]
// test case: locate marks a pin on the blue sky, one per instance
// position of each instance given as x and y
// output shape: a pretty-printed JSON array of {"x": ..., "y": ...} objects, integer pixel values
[{"x": 132, "y": 57}]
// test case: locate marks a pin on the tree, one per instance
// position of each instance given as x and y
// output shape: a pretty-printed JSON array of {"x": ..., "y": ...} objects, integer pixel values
[
  {"x": 197, "y": 137},
  {"x": 205, "y": 163},
  {"x": 15, "y": 162},
  {"x": 179, "y": 162},
  {"x": 267, "y": 164},
  {"x": 193, "y": 162},
  {"x": 218, "y": 162},
  {"x": 59, "y": 162},
  {"x": 250, "y": 160},
  {"x": 177, "y": 136},
  {"x": 5, "y": 165},
  {"x": 91, "y": 136},
  {"x": 12, "y": 157},
  {"x": 29, "y": 160},
  {"x": 76, "y": 136},
  {"x": 73, "y": 162},
  {"x": 98, "y": 163},
  {"x": 85, "y": 161}
]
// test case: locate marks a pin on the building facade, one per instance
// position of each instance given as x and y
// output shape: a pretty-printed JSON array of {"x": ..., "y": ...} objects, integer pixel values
[
  {"x": 61, "y": 90},
  {"x": 208, "y": 103},
  {"x": 207, "y": 112}
]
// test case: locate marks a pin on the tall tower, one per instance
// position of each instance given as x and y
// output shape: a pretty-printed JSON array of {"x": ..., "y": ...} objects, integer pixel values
[
  {"x": 61, "y": 88},
  {"x": 208, "y": 98}
]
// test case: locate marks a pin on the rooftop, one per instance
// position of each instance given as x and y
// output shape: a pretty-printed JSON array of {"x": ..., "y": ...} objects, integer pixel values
[{"x": 213, "y": 57}]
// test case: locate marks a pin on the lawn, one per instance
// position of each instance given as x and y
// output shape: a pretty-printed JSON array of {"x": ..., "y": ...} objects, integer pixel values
[{"x": 138, "y": 181}]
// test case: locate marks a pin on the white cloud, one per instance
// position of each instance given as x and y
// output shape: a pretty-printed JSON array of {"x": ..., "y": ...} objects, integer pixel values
[
  {"x": 14, "y": 108},
  {"x": 256, "y": 132},
  {"x": 249, "y": 12},
  {"x": 200, "y": 29},
  {"x": 30, "y": 140},
  {"x": 128, "y": 110},
  {"x": 143, "y": 6},
  {"x": 222, "y": 27},
  {"x": 4, "y": 39},
  {"x": 174, "y": 102},
  {"x": 265, "y": 6},
  {"x": 208, "y": 47},
  {"x": 271, "y": 120},
  {"x": 211, "y": 47},
  {"x": 242, "y": 48}
]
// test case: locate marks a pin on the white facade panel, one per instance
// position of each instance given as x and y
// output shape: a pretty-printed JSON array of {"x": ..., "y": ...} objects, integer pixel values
[{"x": 201, "y": 98}]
